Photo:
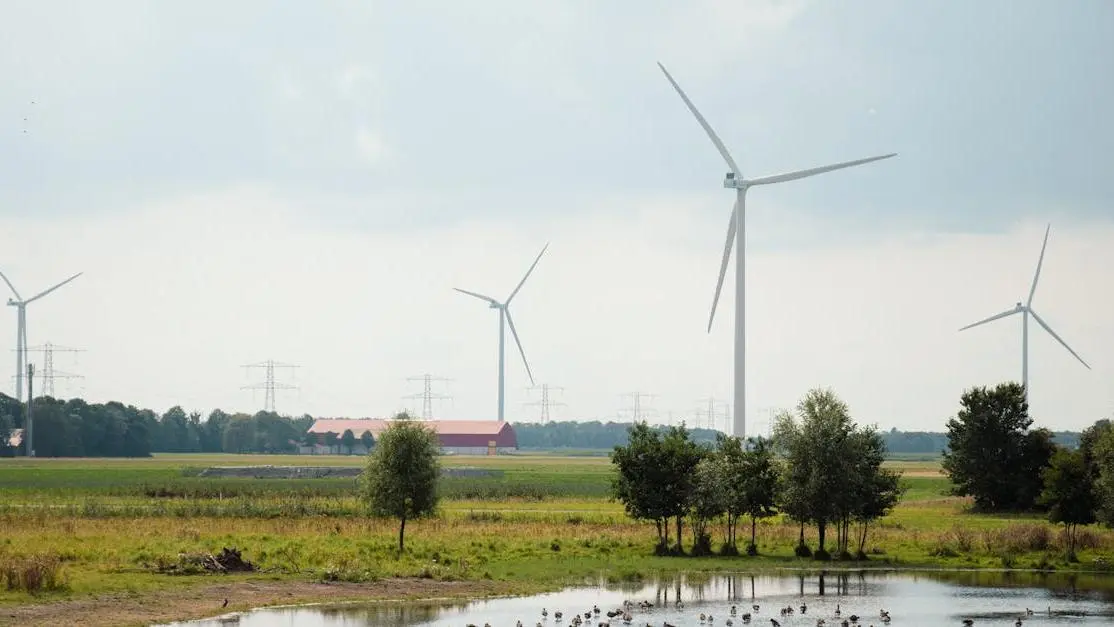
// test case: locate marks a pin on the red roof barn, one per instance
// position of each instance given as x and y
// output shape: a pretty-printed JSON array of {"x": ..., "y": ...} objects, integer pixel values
[{"x": 460, "y": 436}]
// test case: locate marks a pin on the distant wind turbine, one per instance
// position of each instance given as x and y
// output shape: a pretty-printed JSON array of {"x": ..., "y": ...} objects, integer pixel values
[
  {"x": 506, "y": 320},
  {"x": 21, "y": 328},
  {"x": 1026, "y": 310},
  {"x": 736, "y": 236}
]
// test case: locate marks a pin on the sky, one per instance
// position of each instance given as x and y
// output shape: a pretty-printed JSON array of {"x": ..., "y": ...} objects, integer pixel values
[{"x": 308, "y": 182}]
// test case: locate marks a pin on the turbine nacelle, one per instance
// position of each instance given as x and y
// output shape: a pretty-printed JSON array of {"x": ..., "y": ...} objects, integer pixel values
[{"x": 732, "y": 182}]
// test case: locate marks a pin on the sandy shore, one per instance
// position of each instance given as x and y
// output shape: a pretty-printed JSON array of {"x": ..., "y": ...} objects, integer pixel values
[{"x": 206, "y": 600}]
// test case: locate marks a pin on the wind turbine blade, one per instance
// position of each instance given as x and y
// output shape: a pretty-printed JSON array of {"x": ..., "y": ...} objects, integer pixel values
[
  {"x": 514, "y": 333},
  {"x": 1058, "y": 338},
  {"x": 532, "y": 266},
  {"x": 479, "y": 296},
  {"x": 723, "y": 265},
  {"x": 707, "y": 128},
  {"x": 800, "y": 174},
  {"x": 49, "y": 290},
  {"x": 1040, "y": 262},
  {"x": 10, "y": 286},
  {"x": 1008, "y": 312}
]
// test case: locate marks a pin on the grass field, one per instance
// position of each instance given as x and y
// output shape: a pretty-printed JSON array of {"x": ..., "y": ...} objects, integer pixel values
[{"x": 111, "y": 526}]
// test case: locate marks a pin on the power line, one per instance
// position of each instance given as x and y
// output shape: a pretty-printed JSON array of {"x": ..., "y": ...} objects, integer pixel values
[
  {"x": 546, "y": 402},
  {"x": 49, "y": 374},
  {"x": 427, "y": 394},
  {"x": 710, "y": 414},
  {"x": 269, "y": 384},
  {"x": 637, "y": 410}
]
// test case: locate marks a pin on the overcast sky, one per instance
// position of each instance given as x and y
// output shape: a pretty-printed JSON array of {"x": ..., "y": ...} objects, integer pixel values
[{"x": 306, "y": 182}]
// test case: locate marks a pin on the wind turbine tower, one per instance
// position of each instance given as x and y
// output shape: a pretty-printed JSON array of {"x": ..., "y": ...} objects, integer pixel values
[
  {"x": 505, "y": 320},
  {"x": 21, "y": 328},
  {"x": 736, "y": 237},
  {"x": 1027, "y": 310}
]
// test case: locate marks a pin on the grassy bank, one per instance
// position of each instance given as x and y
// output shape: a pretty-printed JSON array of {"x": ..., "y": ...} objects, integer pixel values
[{"x": 545, "y": 521}]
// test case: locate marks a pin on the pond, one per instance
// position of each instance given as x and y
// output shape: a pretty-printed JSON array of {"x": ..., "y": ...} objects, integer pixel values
[{"x": 915, "y": 599}]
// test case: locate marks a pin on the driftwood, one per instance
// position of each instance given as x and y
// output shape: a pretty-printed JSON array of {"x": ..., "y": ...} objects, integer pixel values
[{"x": 227, "y": 561}]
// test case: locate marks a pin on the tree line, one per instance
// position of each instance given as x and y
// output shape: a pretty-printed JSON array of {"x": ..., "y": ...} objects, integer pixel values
[
  {"x": 997, "y": 458},
  {"x": 820, "y": 468},
  {"x": 74, "y": 428}
]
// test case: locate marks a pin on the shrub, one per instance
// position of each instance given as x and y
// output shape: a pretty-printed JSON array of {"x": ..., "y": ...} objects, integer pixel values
[
  {"x": 752, "y": 549},
  {"x": 822, "y": 555},
  {"x": 702, "y": 546},
  {"x": 32, "y": 574},
  {"x": 802, "y": 550}
]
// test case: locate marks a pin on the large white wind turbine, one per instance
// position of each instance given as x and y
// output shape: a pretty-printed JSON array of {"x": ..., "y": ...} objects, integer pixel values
[
  {"x": 21, "y": 328},
  {"x": 1026, "y": 310},
  {"x": 736, "y": 236},
  {"x": 506, "y": 320}
]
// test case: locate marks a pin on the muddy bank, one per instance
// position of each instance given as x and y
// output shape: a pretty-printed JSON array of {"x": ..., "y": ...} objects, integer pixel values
[{"x": 205, "y": 600}]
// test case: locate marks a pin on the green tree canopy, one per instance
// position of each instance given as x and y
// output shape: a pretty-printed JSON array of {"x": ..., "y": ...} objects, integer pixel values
[
  {"x": 348, "y": 440},
  {"x": 992, "y": 455},
  {"x": 400, "y": 480},
  {"x": 1069, "y": 493}
]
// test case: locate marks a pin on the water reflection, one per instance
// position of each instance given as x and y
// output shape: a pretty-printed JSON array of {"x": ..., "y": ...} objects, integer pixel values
[{"x": 913, "y": 598}]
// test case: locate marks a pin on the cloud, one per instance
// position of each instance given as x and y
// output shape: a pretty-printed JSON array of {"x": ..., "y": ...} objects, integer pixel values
[{"x": 176, "y": 297}]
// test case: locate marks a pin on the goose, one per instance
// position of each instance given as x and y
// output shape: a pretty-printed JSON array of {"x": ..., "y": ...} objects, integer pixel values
[
  {"x": 225, "y": 604},
  {"x": 1018, "y": 622},
  {"x": 968, "y": 622},
  {"x": 837, "y": 609},
  {"x": 545, "y": 613},
  {"x": 774, "y": 623},
  {"x": 596, "y": 609},
  {"x": 854, "y": 618},
  {"x": 804, "y": 608},
  {"x": 703, "y": 617},
  {"x": 820, "y": 622},
  {"x": 557, "y": 615},
  {"x": 729, "y": 622},
  {"x": 746, "y": 617},
  {"x": 733, "y": 610}
]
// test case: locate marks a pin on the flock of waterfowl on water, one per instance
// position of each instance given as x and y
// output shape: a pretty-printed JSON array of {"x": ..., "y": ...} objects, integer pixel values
[{"x": 625, "y": 615}]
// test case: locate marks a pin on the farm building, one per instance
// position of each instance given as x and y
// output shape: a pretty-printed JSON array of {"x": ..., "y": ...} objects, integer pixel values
[{"x": 462, "y": 437}]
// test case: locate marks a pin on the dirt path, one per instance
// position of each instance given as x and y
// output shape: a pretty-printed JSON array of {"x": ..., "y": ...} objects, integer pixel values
[{"x": 205, "y": 601}]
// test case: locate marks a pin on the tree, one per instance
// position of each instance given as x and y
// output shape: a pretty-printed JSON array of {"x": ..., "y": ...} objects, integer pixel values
[
  {"x": 991, "y": 454},
  {"x": 876, "y": 489},
  {"x": 367, "y": 440},
  {"x": 641, "y": 468},
  {"x": 400, "y": 480},
  {"x": 818, "y": 480},
  {"x": 681, "y": 456},
  {"x": 348, "y": 440},
  {"x": 731, "y": 457},
  {"x": 707, "y": 502},
  {"x": 759, "y": 475},
  {"x": 1069, "y": 493}
]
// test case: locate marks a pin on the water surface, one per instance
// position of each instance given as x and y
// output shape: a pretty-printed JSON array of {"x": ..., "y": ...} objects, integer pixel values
[{"x": 915, "y": 599}]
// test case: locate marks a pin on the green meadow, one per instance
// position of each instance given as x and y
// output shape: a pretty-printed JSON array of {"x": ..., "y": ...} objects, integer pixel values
[{"x": 120, "y": 526}]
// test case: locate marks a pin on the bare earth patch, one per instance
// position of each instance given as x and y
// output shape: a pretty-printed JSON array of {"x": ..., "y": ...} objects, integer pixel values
[{"x": 205, "y": 601}]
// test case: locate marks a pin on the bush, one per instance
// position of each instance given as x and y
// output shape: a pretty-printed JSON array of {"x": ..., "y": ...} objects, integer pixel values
[
  {"x": 822, "y": 555},
  {"x": 728, "y": 550},
  {"x": 802, "y": 550},
  {"x": 1019, "y": 538},
  {"x": 752, "y": 549},
  {"x": 32, "y": 574},
  {"x": 702, "y": 546}
]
